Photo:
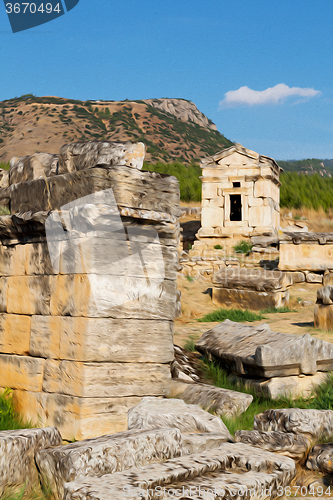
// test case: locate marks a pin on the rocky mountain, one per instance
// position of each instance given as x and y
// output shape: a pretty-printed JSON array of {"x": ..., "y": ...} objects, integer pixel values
[
  {"x": 172, "y": 129},
  {"x": 308, "y": 167}
]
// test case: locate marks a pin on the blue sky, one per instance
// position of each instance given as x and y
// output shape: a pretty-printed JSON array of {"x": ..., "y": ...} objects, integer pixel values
[{"x": 261, "y": 70}]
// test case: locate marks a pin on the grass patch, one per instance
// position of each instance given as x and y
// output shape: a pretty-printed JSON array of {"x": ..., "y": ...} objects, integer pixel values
[
  {"x": 273, "y": 309},
  {"x": 321, "y": 398},
  {"x": 9, "y": 418},
  {"x": 189, "y": 278},
  {"x": 190, "y": 345},
  {"x": 218, "y": 247},
  {"x": 237, "y": 315},
  {"x": 243, "y": 247}
]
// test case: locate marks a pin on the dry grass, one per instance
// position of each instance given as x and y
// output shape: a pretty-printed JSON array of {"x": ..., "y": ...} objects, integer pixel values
[{"x": 316, "y": 220}]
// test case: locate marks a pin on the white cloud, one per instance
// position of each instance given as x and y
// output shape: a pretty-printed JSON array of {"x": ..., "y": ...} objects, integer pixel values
[{"x": 245, "y": 96}]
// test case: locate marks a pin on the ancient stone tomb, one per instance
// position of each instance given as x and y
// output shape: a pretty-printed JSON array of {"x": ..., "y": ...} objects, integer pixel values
[
  {"x": 87, "y": 292},
  {"x": 240, "y": 194}
]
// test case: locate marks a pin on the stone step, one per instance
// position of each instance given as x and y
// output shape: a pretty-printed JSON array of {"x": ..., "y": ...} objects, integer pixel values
[
  {"x": 106, "y": 455},
  {"x": 17, "y": 451},
  {"x": 250, "y": 467}
]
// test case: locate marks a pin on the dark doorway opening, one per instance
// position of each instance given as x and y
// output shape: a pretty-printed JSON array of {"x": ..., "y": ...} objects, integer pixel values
[{"x": 235, "y": 207}]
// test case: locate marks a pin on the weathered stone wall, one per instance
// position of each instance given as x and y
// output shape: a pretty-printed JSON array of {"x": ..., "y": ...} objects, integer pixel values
[{"x": 79, "y": 345}]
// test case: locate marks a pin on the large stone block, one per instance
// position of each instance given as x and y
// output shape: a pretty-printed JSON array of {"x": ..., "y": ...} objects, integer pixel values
[
  {"x": 22, "y": 372},
  {"x": 83, "y": 155},
  {"x": 328, "y": 279},
  {"x": 257, "y": 351},
  {"x": 260, "y": 216},
  {"x": 106, "y": 455},
  {"x": 249, "y": 299},
  {"x": 154, "y": 413},
  {"x": 323, "y": 317},
  {"x": 209, "y": 190},
  {"x": 29, "y": 294},
  {"x": 306, "y": 252},
  {"x": 14, "y": 334},
  {"x": 17, "y": 454},
  {"x": 76, "y": 418},
  {"x": 3, "y": 294},
  {"x": 315, "y": 423},
  {"x": 227, "y": 472},
  {"x": 13, "y": 260},
  {"x": 29, "y": 168},
  {"x": 97, "y": 296},
  {"x": 212, "y": 217},
  {"x": 101, "y": 339},
  {"x": 287, "y": 444},
  {"x": 214, "y": 399},
  {"x": 106, "y": 379},
  {"x": 131, "y": 188},
  {"x": 260, "y": 280},
  {"x": 293, "y": 387}
]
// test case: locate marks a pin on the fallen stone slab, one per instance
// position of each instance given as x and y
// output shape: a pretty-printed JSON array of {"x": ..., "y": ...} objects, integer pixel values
[
  {"x": 198, "y": 442},
  {"x": 231, "y": 468},
  {"x": 259, "y": 352},
  {"x": 17, "y": 452},
  {"x": 213, "y": 399},
  {"x": 82, "y": 155},
  {"x": 31, "y": 167},
  {"x": 106, "y": 455},
  {"x": 291, "y": 445},
  {"x": 315, "y": 423},
  {"x": 321, "y": 458},
  {"x": 185, "y": 365},
  {"x": 314, "y": 278},
  {"x": 293, "y": 387},
  {"x": 154, "y": 413}
]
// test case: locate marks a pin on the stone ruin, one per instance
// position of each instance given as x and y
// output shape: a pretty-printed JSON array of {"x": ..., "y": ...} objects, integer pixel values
[{"x": 88, "y": 267}]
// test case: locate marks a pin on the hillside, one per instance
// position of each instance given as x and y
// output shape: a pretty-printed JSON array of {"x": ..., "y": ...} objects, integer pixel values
[
  {"x": 172, "y": 129},
  {"x": 310, "y": 166}
]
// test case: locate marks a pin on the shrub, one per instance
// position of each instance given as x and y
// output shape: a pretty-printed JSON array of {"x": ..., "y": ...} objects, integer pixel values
[
  {"x": 218, "y": 247},
  {"x": 243, "y": 247},
  {"x": 9, "y": 418},
  {"x": 237, "y": 315}
]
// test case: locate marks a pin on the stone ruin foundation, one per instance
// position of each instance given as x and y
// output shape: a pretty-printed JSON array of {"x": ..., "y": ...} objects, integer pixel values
[{"x": 88, "y": 267}]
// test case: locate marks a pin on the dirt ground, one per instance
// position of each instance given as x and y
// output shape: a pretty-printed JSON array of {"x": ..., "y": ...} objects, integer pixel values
[{"x": 196, "y": 302}]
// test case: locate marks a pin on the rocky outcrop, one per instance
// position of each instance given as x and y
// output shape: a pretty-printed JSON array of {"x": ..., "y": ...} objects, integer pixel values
[
  {"x": 186, "y": 111},
  {"x": 17, "y": 454}
]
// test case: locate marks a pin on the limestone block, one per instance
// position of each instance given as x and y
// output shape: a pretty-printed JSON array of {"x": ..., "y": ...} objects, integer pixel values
[
  {"x": 314, "y": 278},
  {"x": 111, "y": 296},
  {"x": 82, "y": 155},
  {"x": 305, "y": 256},
  {"x": 260, "y": 280},
  {"x": 323, "y": 317},
  {"x": 29, "y": 294},
  {"x": 154, "y": 413},
  {"x": 293, "y": 387},
  {"x": 328, "y": 279},
  {"x": 131, "y": 188},
  {"x": 212, "y": 217},
  {"x": 101, "y": 339},
  {"x": 38, "y": 259},
  {"x": 263, "y": 189},
  {"x": 21, "y": 372},
  {"x": 249, "y": 299},
  {"x": 13, "y": 260},
  {"x": 105, "y": 379},
  {"x": 315, "y": 423},
  {"x": 260, "y": 352},
  {"x": 76, "y": 418},
  {"x": 231, "y": 469},
  {"x": 325, "y": 295},
  {"x": 17, "y": 452},
  {"x": 106, "y": 455},
  {"x": 3, "y": 294},
  {"x": 255, "y": 202},
  {"x": 260, "y": 216},
  {"x": 287, "y": 444},
  {"x": 14, "y": 333},
  {"x": 196, "y": 442},
  {"x": 29, "y": 168},
  {"x": 209, "y": 190},
  {"x": 213, "y": 399},
  {"x": 321, "y": 458}
]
